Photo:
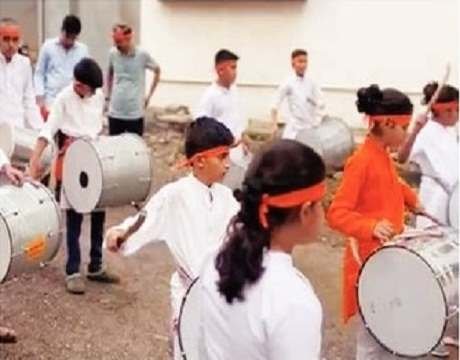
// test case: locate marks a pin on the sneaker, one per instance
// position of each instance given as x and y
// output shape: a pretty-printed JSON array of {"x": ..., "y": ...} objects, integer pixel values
[
  {"x": 7, "y": 336},
  {"x": 440, "y": 351},
  {"x": 103, "y": 276},
  {"x": 75, "y": 284}
]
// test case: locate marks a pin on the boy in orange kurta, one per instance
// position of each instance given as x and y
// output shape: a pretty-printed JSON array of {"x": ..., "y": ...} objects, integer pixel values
[{"x": 370, "y": 202}]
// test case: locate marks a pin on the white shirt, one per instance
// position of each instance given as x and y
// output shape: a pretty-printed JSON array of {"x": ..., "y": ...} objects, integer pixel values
[
  {"x": 75, "y": 116},
  {"x": 280, "y": 318},
  {"x": 3, "y": 159},
  {"x": 223, "y": 104},
  {"x": 192, "y": 219},
  {"x": 435, "y": 150},
  {"x": 305, "y": 104},
  {"x": 17, "y": 98}
]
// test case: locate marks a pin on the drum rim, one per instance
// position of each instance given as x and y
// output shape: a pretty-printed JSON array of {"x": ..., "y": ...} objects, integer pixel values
[
  {"x": 8, "y": 229},
  {"x": 183, "y": 355},
  {"x": 446, "y": 310}
]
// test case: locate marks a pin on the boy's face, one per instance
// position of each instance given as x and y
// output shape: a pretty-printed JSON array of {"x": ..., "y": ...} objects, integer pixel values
[
  {"x": 9, "y": 40},
  {"x": 68, "y": 40},
  {"x": 448, "y": 117},
  {"x": 393, "y": 135},
  {"x": 226, "y": 72},
  {"x": 83, "y": 90},
  {"x": 213, "y": 168},
  {"x": 299, "y": 64}
]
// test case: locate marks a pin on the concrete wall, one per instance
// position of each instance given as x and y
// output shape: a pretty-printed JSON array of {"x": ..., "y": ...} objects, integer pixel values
[{"x": 400, "y": 43}]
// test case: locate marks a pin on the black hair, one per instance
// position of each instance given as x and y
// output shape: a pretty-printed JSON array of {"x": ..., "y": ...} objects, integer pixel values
[
  {"x": 224, "y": 55},
  {"x": 71, "y": 25},
  {"x": 206, "y": 133},
  {"x": 88, "y": 72},
  {"x": 448, "y": 93},
  {"x": 298, "y": 52},
  {"x": 285, "y": 166},
  {"x": 374, "y": 101},
  {"x": 123, "y": 27}
]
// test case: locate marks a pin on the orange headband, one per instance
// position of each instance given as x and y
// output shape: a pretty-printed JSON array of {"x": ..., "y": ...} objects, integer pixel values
[
  {"x": 119, "y": 34},
  {"x": 289, "y": 200},
  {"x": 10, "y": 31},
  {"x": 219, "y": 150},
  {"x": 451, "y": 105},
  {"x": 402, "y": 120}
]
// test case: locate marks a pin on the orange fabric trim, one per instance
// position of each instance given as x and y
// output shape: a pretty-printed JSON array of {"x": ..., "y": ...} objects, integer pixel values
[
  {"x": 451, "y": 105},
  {"x": 11, "y": 31},
  {"x": 290, "y": 199},
  {"x": 219, "y": 150},
  {"x": 402, "y": 120}
]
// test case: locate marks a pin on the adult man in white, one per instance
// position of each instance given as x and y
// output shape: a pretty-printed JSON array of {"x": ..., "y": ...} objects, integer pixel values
[
  {"x": 17, "y": 97},
  {"x": 304, "y": 98}
]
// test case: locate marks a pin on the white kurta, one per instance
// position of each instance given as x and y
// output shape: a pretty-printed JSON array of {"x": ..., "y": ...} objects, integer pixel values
[
  {"x": 280, "y": 318},
  {"x": 223, "y": 105},
  {"x": 17, "y": 96},
  {"x": 305, "y": 104},
  {"x": 192, "y": 219},
  {"x": 436, "y": 152},
  {"x": 3, "y": 159},
  {"x": 75, "y": 117}
]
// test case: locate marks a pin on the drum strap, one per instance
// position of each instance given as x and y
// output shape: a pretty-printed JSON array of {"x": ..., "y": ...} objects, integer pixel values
[{"x": 63, "y": 143}]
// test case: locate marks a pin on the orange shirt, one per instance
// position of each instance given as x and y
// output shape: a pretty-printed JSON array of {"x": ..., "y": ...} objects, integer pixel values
[{"x": 370, "y": 191}]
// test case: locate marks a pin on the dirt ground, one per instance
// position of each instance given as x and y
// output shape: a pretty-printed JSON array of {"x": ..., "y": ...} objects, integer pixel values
[{"x": 130, "y": 320}]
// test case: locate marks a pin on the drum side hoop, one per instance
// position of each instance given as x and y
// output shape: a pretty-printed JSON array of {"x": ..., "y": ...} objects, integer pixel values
[
  {"x": 11, "y": 247},
  {"x": 181, "y": 310},
  {"x": 362, "y": 315}
]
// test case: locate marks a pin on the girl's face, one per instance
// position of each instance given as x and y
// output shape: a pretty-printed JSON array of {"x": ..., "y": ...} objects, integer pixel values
[
  {"x": 393, "y": 135},
  {"x": 448, "y": 116},
  {"x": 311, "y": 221}
]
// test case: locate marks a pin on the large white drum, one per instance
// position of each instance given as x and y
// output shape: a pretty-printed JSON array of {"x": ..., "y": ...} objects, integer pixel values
[
  {"x": 30, "y": 228},
  {"x": 408, "y": 290},
  {"x": 453, "y": 208},
  {"x": 108, "y": 171},
  {"x": 332, "y": 139},
  {"x": 18, "y": 144}
]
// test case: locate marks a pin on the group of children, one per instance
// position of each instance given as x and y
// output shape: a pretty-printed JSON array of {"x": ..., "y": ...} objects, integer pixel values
[{"x": 257, "y": 305}]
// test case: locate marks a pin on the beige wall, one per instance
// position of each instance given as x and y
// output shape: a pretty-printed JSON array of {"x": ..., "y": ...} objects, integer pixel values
[{"x": 400, "y": 43}]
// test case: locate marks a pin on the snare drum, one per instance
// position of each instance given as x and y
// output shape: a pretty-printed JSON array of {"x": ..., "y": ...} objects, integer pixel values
[
  {"x": 453, "y": 208},
  {"x": 408, "y": 290},
  {"x": 108, "y": 171},
  {"x": 30, "y": 228},
  {"x": 19, "y": 143}
]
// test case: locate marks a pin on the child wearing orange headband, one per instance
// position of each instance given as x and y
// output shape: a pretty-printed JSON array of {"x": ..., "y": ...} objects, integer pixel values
[
  {"x": 258, "y": 306},
  {"x": 433, "y": 145},
  {"x": 370, "y": 202},
  {"x": 190, "y": 214}
]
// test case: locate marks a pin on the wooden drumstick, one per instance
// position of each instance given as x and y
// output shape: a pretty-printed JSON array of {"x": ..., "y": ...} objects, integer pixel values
[
  {"x": 435, "y": 96},
  {"x": 133, "y": 228}
]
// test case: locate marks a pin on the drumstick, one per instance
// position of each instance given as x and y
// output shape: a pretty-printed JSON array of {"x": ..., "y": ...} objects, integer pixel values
[
  {"x": 429, "y": 216},
  {"x": 133, "y": 228},
  {"x": 435, "y": 96}
]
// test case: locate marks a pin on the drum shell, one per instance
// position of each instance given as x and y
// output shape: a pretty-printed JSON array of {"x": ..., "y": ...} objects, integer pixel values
[
  {"x": 332, "y": 139},
  {"x": 18, "y": 144},
  {"x": 452, "y": 211},
  {"x": 27, "y": 213},
  {"x": 126, "y": 166},
  {"x": 438, "y": 255}
]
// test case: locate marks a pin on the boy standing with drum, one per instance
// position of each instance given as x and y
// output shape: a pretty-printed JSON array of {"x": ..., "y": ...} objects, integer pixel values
[
  {"x": 77, "y": 112},
  {"x": 370, "y": 202}
]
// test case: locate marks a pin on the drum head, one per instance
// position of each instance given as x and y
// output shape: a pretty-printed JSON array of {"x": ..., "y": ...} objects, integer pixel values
[
  {"x": 189, "y": 323},
  {"x": 453, "y": 208},
  {"x": 82, "y": 176},
  {"x": 5, "y": 249},
  {"x": 6, "y": 139},
  {"x": 401, "y": 302}
]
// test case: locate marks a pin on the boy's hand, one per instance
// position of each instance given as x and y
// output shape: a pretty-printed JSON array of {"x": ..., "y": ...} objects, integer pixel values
[
  {"x": 113, "y": 239},
  {"x": 14, "y": 175},
  {"x": 35, "y": 169},
  {"x": 384, "y": 231}
]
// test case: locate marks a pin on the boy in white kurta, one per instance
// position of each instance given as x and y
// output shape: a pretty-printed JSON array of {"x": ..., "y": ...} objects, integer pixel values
[
  {"x": 304, "y": 98},
  {"x": 77, "y": 112},
  {"x": 191, "y": 214}
]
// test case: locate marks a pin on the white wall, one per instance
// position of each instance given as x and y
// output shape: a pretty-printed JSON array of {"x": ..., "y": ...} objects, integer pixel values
[{"x": 399, "y": 43}]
